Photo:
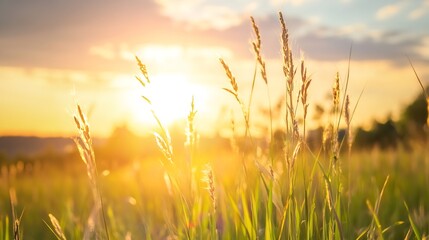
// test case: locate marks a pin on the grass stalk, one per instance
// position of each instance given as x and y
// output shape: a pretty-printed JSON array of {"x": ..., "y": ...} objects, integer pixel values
[{"x": 85, "y": 146}]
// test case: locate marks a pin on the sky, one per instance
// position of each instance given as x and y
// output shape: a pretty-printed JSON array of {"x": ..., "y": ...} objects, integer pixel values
[{"x": 56, "y": 54}]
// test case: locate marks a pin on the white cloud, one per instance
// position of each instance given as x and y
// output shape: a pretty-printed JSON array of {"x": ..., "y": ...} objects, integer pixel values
[
  {"x": 420, "y": 11},
  {"x": 277, "y": 3},
  {"x": 356, "y": 31},
  {"x": 360, "y": 31},
  {"x": 417, "y": 13},
  {"x": 388, "y": 11},
  {"x": 345, "y": 1},
  {"x": 202, "y": 14}
]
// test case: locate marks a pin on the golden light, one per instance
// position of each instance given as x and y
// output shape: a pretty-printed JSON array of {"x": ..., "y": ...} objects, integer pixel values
[{"x": 170, "y": 95}]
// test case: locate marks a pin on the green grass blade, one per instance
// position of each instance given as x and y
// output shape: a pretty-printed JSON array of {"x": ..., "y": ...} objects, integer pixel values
[{"x": 413, "y": 225}]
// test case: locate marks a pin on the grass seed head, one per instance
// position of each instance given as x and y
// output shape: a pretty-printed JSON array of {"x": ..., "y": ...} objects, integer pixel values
[
  {"x": 230, "y": 76},
  {"x": 57, "y": 228},
  {"x": 257, "y": 49},
  {"x": 209, "y": 179},
  {"x": 143, "y": 70},
  {"x": 336, "y": 91}
]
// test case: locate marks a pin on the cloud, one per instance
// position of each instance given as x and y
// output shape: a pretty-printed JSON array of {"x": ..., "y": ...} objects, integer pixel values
[
  {"x": 422, "y": 49},
  {"x": 63, "y": 34},
  {"x": 202, "y": 14},
  {"x": 420, "y": 11},
  {"x": 417, "y": 13},
  {"x": 324, "y": 43},
  {"x": 388, "y": 11},
  {"x": 346, "y": 1},
  {"x": 277, "y": 3},
  {"x": 52, "y": 35}
]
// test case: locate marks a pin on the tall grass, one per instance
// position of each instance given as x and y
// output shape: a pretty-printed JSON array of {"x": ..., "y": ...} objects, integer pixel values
[
  {"x": 261, "y": 187},
  {"x": 85, "y": 146},
  {"x": 291, "y": 192},
  {"x": 303, "y": 197}
]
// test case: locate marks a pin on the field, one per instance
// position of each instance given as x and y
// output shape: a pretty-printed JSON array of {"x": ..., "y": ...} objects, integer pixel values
[
  {"x": 272, "y": 184},
  {"x": 137, "y": 202}
]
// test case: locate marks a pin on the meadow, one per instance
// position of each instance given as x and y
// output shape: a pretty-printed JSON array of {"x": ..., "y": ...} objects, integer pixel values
[{"x": 251, "y": 185}]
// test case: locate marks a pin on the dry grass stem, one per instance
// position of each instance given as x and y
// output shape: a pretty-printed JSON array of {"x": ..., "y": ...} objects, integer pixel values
[
  {"x": 288, "y": 66},
  {"x": 143, "y": 70},
  {"x": 57, "y": 228},
  {"x": 230, "y": 76},
  {"x": 234, "y": 92},
  {"x": 210, "y": 181},
  {"x": 336, "y": 92},
  {"x": 84, "y": 145},
  {"x": 234, "y": 85},
  {"x": 165, "y": 146},
  {"x": 289, "y": 73},
  {"x": 257, "y": 49},
  {"x": 305, "y": 83},
  {"x": 162, "y": 137},
  {"x": 16, "y": 221},
  {"x": 336, "y": 110},
  {"x": 190, "y": 129},
  {"x": 16, "y": 234},
  {"x": 348, "y": 122}
]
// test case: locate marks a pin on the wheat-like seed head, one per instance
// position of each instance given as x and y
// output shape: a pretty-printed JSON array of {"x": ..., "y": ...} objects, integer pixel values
[
  {"x": 165, "y": 146},
  {"x": 230, "y": 76},
  {"x": 143, "y": 70},
  {"x": 304, "y": 88},
  {"x": 162, "y": 138},
  {"x": 289, "y": 73},
  {"x": 285, "y": 46},
  {"x": 57, "y": 228},
  {"x": 348, "y": 122},
  {"x": 292, "y": 160},
  {"x": 84, "y": 145},
  {"x": 336, "y": 91},
  {"x": 257, "y": 42},
  {"x": 209, "y": 179},
  {"x": 285, "y": 35},
  {"x": 190, "y": 130},
  {"x": 288, "y": 66},
  {"x": 16, "y": 221},
  {"x": 347, "y": 110},
  {"x": 257, "y": 49}
]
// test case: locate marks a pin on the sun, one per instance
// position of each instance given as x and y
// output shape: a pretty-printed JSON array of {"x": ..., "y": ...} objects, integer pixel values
[{"x": 170, "y": 95}]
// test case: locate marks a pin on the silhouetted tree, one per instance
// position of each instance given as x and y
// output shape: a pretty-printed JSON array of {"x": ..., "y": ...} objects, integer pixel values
[
  {"x": 383, "y": 135},
  {"x": 412, "y": 123}
]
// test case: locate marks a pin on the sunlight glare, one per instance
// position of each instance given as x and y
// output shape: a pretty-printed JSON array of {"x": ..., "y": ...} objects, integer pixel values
[{"x": 171, "y": 96}]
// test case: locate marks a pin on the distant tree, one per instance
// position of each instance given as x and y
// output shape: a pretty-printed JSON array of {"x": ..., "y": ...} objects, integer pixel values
[
  {"x": 413, "y": 119},
  {"x": 408, "y": 130},
  {"x": 384, "y": 135}
]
